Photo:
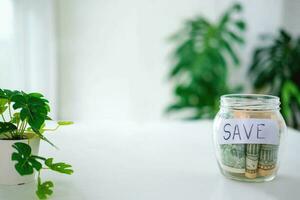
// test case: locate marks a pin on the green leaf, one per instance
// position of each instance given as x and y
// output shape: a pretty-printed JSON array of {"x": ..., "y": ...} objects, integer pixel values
[
  {"x": 42, "y": 128},
  {"x": 3, "y": 109},
  {"x": 64, "y": 123},
  {"x": 3, "y": 102},
  {"x": 59, "y": 167},
  {"x": 48, "y": 110},
  {"x": 285, "y": 35},
  {"x": 8, "y": 94},
  {"x": 289, "y": 92},
  {"x": 275, "y": 69},
  {"x": 35, "y": 94},
  {"x": 26, "y": 163},
  {"x": 241, "y": 25},
  {"x": 238, "y": 7},
  {"x": 48, "y": 118},
  {"x": 16, "y": 118},
  {"x": 44, "y": 190},
  {"x": 230, "y": 52},
  {"x": 200, "y": 61},
  {"x": 3, "y": 106},
  {"x": 7, "y": 127},
  {"x": 34, "y": 109},
  {"x": 224, "y": 20},
  {"x": 235, "y": 37}
]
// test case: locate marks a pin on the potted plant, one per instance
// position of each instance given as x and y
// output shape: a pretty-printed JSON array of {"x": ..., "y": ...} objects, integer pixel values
[
  {"x": 204, "y": 51},
  {"x": 275, "y": 69},
  {"x": 22, "y": 127}
]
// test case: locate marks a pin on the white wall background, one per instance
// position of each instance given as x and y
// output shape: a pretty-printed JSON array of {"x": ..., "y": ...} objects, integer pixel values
[
  {"x": 113, "y": 55},
  {"x": 27, "y": 47},
  {"x": 291, "y": 16}
]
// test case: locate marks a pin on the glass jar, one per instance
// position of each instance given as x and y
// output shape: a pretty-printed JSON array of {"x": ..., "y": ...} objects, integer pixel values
[{"x": 248, "y": 136}]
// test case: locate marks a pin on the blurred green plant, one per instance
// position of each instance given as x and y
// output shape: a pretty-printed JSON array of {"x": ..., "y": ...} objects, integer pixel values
[
  {"x": 275, "y": 70},
  {"x": 201, "y": 59}
]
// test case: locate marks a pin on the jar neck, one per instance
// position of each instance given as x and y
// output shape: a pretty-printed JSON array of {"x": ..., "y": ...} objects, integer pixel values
[{"x": 250, "y": 102}]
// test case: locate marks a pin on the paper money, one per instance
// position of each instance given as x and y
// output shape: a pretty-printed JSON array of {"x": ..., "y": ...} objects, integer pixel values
[
  {"x": 267, "y": 159},
  {"x": 233, "y": 158},
  {"x": 252, "y": 155},
  {"x": 250, "y": 160}
]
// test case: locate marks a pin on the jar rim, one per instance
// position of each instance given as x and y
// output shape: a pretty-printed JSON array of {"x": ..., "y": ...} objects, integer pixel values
[{"x": 250, "y": 101}]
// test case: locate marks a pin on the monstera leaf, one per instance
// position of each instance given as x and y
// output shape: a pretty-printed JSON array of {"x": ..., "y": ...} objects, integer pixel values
[
  {"x": 34, "y": 109},
  {"x": 44, "y": 189},
  {"x": 8, "y": 94},
  {"x": 7, "y": 127},
  {"x": 26, "y": 162},
  {"x": 59, "y": 167}
]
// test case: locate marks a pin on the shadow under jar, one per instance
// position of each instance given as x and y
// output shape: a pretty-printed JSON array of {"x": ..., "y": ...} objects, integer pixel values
[{"x": 248, "y": 136}]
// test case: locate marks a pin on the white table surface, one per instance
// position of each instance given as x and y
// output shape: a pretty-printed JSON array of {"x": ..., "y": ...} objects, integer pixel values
[{"x": 155, "y": 161}]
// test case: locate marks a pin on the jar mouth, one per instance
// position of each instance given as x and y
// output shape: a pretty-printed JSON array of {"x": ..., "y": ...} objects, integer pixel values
[{"x": 250, "y": 102}]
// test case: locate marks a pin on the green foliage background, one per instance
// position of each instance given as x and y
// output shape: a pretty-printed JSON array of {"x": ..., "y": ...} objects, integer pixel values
[
  {"x": 275, "y": 70},
  {"x": 205, "y": 51}
]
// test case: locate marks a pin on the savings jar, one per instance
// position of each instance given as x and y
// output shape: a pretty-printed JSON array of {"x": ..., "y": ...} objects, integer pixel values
[{"x": 248, "y": 136}]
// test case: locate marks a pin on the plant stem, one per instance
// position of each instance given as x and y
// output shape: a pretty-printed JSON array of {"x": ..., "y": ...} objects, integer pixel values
[
  {"x": 9, "y": 110},
  {"x": 29, "y": 132},
  {"x": 8, "y": 137},
  {"x": 3, "y": 117},
  {"x": 39, "y": 157},
  {"x": 52, "y": 129},
  {"x": 12, "y": 134},
  {"x": 39, "y": 177},
  {"x": 20, "y": 130},
  {"x": 24, "y": 128},
  {"x": 20, "y": 127},
  {"x": 18, "y": 123}
]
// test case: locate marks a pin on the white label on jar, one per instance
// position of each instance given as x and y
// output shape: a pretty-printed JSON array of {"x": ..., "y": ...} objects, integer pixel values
[{"x": 248, "y": 131}]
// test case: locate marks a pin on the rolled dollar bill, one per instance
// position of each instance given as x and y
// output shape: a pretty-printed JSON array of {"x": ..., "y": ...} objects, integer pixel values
[
  {"x": 261, "y": 159},
  {"x": 233, "y": 158},
  {"x": 252, "y": 155},
  {"x": 267, "y": 159}
]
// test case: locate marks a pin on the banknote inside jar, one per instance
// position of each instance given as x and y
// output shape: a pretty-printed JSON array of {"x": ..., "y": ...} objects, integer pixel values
[{"x": 251, "y": 161}]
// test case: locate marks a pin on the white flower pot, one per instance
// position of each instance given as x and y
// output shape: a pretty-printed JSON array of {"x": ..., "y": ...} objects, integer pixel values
[{"x": 8, "y": 173}]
